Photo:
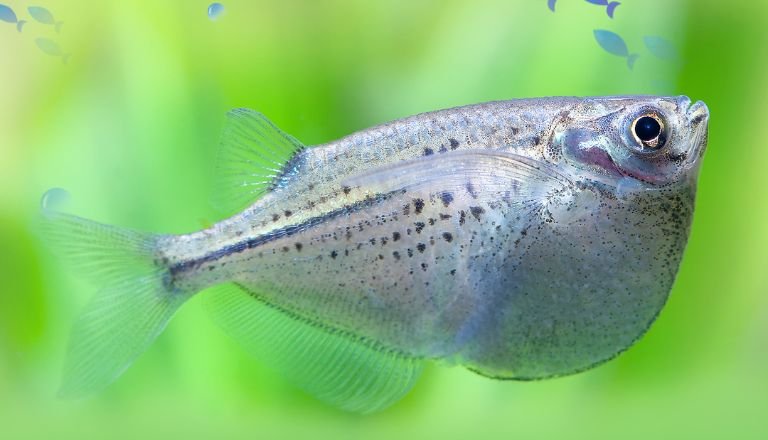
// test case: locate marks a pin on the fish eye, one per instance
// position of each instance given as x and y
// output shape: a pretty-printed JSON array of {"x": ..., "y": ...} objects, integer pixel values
[{"x": 648, "y": 131}]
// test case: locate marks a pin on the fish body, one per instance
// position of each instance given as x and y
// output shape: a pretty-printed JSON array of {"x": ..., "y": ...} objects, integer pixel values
[
  {"x": 521, "y": 239},
  {"x": 7, "y": 15},
  {"x": 44, "y": 16},
  {"x": 615, "y": 45},
  {"x": 610, "y": 7}
]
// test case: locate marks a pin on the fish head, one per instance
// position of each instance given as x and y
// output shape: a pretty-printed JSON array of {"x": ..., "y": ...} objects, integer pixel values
[{"x": 654, "y": 141}]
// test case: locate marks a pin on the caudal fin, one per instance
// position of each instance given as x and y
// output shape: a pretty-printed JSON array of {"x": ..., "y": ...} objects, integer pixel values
[{"x": 130, "y": 309}]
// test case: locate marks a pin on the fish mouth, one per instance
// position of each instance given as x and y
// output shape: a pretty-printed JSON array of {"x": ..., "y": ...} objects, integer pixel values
[{"x": 698, "y": 118}]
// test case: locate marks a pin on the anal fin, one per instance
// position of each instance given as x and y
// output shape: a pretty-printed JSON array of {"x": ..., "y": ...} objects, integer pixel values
[{"x": 338, "y": 368}]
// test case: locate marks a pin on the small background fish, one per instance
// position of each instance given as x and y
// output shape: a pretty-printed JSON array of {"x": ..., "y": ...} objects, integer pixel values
[
  {"x": 145, "y": 91},
  {"x": 44, "y": 16},
  {"x": 615, "y": 45},
  {"x": 610, "y": 7},
  {"x": 50, "y": 47},
  {"x": 7, "y": 15}
]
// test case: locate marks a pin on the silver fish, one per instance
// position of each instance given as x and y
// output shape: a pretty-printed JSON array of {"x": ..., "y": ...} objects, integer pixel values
[{"x": 520, "y": 239}]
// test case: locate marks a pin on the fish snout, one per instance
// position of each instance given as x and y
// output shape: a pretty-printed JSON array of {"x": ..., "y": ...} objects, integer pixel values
[{"x": 698, "y": 118}]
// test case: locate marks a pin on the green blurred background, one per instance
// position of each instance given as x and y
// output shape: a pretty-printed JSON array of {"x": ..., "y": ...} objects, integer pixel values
[{"x": 130, "y": 124}]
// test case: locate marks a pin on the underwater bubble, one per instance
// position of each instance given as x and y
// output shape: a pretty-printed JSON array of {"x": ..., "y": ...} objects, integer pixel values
[
  {"x": 215, "y": 10},
  {"x": 54, "y": 200}
]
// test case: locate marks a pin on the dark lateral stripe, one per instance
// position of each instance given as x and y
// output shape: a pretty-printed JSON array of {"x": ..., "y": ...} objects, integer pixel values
[{"x": 277, "y": 234}]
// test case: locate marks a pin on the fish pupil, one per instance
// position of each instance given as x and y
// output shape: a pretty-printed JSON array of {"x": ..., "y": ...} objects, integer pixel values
[{"x": 647, "y": 128}]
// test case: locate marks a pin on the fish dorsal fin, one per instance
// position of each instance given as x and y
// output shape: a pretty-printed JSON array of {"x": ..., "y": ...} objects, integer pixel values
[
  {"x": 340, "y": 369},
  {"x": 524, "y": 179},
  {"x": 253, "y": 154}
]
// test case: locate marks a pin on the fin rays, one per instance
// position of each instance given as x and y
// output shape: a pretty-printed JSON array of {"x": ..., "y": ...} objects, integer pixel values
[
  {"x": 340, "y": 369},
  {"x": 253, "y": 152}
]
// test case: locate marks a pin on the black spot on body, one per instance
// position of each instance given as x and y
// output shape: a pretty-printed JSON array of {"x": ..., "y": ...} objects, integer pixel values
[
  {"x": 410, "y": 252},
  {"x": 454, "y": 143},
  {"x": 299, "y": 246},
  {"x": 447, "y": 198},
  {"x": 346, "y": 189},
  {"x": 275, "y": 217},
  {"x": 395, "y": 236},
  {"x": 396, "y": 254},
  {"x": 471, "y": 190},
  {"x": 462, "y": 217},
  {"x": 453, "y": 271},
  {"x": 447, "y": 236},
  {"x": 429, "y": 151},
  {"x": 421, "y": 247},
  {"x": 424, "y": 267},
  {"x": 418, "y": 205},
  {"x": 476, "y": 211},
  {"x": 285, "y": 248},
  {"x": 442, "y": 149},
  {"x": 288, "y": 213},
  {"x": 419, "y": 227},
  {"x": 445, "y": 216},
  {"x": 334, "y": 254},
  {"x": 406, "y": 209}
]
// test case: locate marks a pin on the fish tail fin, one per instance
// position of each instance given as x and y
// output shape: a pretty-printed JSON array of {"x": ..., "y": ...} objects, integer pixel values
[
  {"x": 631, "y": 60},
  {"x": 58, "y": 25},
  {"x": 611, "y": 8},
  {"x": 20, "y": 25},
  {"x": 131, "y": 308}
]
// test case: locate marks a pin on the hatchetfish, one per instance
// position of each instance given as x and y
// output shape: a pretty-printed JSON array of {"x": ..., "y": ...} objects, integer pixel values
[{"x": 521, "y": 239}]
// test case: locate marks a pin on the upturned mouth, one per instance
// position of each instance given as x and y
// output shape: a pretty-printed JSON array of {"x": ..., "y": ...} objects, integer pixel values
[{"x": 698, "y": 117}]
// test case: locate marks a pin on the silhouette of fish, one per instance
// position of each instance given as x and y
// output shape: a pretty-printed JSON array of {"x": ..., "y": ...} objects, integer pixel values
[
  {"x": 7, "y": 15},
  {"x": 614, "y": 44},
  {"x": 610, "y": 6},
  {"x": 521, "y": 239},
  {"x": 50, "y": 47},
  {"x": 44, "y": 16},
  {"x": 661, "y": 47},
  {"x": 551, "y": 4}
]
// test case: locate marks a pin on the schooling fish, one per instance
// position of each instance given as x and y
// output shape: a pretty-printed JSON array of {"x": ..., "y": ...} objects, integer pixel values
[
  {"x": 520, "y": 239},
  {"x": 7, "y": 15},
  {"x": 614, "y": 44},
  {"x": 610, "y": 7},
  {"x": 44, "y": 16}
]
